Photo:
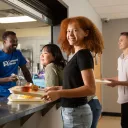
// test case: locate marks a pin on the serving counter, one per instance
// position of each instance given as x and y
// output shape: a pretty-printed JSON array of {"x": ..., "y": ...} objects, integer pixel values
[{"x": 29, "y": 114}]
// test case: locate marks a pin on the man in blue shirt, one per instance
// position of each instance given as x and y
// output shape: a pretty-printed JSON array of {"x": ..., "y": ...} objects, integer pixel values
[{"x": 10, "y": 60}]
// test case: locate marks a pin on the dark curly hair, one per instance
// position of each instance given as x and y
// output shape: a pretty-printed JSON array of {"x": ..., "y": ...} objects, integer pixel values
[{"x": 93, "y": 42}]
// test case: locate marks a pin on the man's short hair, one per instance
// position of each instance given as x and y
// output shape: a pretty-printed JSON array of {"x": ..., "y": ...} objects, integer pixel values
[
  {"x": 7, "y": 33},
  {"x": 124, "y": 34}
]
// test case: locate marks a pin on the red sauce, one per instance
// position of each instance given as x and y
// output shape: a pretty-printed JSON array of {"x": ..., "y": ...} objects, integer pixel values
[{"x": 26, "y": 88}]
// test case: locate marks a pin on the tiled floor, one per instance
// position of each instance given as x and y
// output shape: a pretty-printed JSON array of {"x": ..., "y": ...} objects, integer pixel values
[{"x": 109, "y": 122}]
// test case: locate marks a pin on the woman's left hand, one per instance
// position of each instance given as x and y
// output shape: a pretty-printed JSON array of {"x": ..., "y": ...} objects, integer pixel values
[{"x": 51, "y": 96}]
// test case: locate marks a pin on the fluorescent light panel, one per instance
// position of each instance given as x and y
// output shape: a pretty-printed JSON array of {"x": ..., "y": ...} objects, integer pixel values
[{"x": 16, "y": 19}]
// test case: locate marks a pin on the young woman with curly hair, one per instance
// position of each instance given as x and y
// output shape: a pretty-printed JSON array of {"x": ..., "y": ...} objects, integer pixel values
[{"x": 80, "y": 36}]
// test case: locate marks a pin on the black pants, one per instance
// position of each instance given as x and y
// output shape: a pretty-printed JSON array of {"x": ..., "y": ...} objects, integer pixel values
[{"x": 124, "y": 115}]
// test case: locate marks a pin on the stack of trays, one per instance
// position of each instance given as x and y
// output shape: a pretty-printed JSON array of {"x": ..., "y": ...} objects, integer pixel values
[{"x": 29, "y": 95}]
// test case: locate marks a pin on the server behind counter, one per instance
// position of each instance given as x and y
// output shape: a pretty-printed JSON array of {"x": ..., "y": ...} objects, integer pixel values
[{"x": 10, "y": 60}]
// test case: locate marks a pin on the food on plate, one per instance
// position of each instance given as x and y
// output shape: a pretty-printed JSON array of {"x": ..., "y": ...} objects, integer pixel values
[
  {"x": 25, "y": 97},
  {"x": 34, "y": 87},
  {"x": 26, "y": 88},
  {"x": 29, "y": 86}
]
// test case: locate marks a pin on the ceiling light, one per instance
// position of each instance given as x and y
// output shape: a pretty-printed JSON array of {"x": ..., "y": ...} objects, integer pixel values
[{"x": 16, "y": 19}]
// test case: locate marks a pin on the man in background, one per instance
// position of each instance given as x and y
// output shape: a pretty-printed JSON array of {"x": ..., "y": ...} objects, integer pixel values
[{"x": 122, "y": 80}]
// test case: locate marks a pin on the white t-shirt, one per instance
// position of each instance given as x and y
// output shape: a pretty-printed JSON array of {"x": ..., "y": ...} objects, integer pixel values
[{"x": 122, "y": 76}]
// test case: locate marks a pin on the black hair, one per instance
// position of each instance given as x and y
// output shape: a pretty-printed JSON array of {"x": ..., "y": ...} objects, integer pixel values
[
  {"x": 7, "y": 33},
  {"x": 124, "y": 34},
  {"x": 57, "y": 54}
]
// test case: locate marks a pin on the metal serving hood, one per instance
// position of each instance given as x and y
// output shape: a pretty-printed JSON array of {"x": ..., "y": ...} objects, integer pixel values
[{"x": 51, "y": 12}]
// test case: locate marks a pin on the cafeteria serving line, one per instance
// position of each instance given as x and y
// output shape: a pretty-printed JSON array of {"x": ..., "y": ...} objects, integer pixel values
[{"x": 31, "y": 35}]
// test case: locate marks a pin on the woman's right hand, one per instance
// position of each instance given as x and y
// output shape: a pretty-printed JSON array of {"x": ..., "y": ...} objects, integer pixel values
[
  {"x": 52, "y": 88},
  {"x": 51, "y": 96}
]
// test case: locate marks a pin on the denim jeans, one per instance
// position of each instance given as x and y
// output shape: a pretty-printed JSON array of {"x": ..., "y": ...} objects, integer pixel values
[
  {"x": 80, "y": 117},
  {"x": 96, "y": 111}
]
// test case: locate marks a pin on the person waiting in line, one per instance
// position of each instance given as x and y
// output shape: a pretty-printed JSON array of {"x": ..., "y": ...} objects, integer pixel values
[
  {"x": 96, "y": 109},
  {"x": 10, "y": 60},
  {"x": 122, "y": 79},
  {"x": 53, "y": 62},
  {"x": 95, "y": 105},
  {"x": 80, "y": 36}
]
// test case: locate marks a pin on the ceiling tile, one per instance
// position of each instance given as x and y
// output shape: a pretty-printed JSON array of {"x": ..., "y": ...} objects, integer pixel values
[
  {"x": 114, "y": 15},
  {"x": 112, "y": 9},
  {"x": 98, "y": 3}
]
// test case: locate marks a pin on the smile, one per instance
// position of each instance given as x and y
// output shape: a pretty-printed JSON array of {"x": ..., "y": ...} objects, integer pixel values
[{"x": 72, "y": 39}]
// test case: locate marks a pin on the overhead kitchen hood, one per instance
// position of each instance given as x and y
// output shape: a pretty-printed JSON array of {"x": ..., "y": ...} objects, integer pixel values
[{"x": 51, "y": 12}]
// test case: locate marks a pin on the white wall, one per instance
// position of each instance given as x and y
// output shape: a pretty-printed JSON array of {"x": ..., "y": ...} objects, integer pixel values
[{"x": 83, "y": 8}]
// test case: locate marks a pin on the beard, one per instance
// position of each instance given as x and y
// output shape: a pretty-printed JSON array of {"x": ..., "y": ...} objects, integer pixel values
[{"x": 12, "y": 48}]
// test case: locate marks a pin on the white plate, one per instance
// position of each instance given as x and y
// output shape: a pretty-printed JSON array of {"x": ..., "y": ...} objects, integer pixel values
[{"x": 102, "y": 81}]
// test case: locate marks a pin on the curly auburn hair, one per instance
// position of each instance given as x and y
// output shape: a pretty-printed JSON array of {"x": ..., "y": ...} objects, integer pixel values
[{"x": 93, "y": 42}]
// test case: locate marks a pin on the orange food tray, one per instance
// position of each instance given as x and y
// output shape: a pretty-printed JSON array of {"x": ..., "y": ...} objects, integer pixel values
[{"x": 18, "y": 90}]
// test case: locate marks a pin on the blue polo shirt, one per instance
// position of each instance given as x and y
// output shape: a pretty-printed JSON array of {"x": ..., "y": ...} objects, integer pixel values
[{"x": 9, "y": 64}]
